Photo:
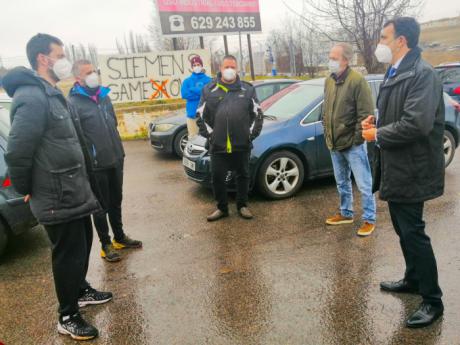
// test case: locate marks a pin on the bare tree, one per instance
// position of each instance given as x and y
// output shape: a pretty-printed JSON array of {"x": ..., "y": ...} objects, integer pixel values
[
  {"x": 92, "y": 51},
  {"x": 76, "y": 52},
  {"x": 288, "y": 46},
  {"x": 163, "y": 43},
  {"x": 356, "y": 21},
  {"x": 82, "y": 52},
  {"x": 120, "y": 47},
  {"x": 132, "y": 43},
  {"x": 313, "y": 48}
]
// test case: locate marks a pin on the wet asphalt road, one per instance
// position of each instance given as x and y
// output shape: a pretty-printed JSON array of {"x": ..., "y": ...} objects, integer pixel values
[{"x": 283, "y": 278}]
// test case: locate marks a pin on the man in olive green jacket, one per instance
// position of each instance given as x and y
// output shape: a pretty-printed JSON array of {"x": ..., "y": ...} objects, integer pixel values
[{"x": 347, "y": 102}]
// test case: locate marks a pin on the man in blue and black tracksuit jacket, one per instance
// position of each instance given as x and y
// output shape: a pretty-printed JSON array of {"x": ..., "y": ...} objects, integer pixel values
[
  {"x": 230, "y": 118},
  {"x": 105, "y": 149}
]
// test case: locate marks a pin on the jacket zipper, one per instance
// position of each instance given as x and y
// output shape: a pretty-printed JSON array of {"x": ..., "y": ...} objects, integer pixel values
[{"x": 332, "y": 117}]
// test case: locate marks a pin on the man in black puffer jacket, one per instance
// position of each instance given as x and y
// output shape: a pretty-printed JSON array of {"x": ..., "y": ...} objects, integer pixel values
[
  {"x": 105, "y": 149},
  {"x": 229, "y": 107},
  {"x": 47, "y": 164},
  {"x": 409, "y": 161}
]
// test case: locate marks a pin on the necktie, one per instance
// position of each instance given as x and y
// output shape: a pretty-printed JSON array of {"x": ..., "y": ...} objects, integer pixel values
[{"x": 392, "y": 72}]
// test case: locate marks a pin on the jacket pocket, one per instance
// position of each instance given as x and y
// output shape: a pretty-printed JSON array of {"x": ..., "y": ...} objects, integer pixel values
[
  {"x": 71, "y": 184},
  {"x": 61, "y": 122}
]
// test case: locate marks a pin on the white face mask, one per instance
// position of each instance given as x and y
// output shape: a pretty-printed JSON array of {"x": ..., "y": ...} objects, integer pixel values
[
  {"x": 229, "y": 74},
  {"x": 383, "y": 53},
  {"x": 92, "y": 80},
  {"x": 334, "y": 66},
  {"x": 197, "y": 69},
  {"x": 62, "y": 68}
]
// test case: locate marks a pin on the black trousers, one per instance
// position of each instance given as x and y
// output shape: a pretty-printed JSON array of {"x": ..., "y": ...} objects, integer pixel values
[
  {"x": 71, "y": 245},
  {"x": 421, "y": 269},
  {"x": 109, "y": 192},
  {"x": 221, "y": 164}
]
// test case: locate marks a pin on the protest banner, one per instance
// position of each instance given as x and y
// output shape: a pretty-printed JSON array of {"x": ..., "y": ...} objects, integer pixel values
[{"x": 148, "y": 76}]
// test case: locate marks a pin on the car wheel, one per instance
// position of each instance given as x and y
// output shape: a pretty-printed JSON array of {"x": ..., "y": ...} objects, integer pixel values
[
  {"x": 180, "y": 142},
  {"x": 281, "y": 175},
  {"x": 3, "y": 238},
  {"x": 449, "y": 147}
]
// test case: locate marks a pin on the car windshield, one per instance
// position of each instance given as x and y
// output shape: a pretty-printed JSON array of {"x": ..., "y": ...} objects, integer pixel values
[
  {"x": 4, "y": 122},
  {"x": 292, "y": 100},
  {"x": 449, "y": 74}
]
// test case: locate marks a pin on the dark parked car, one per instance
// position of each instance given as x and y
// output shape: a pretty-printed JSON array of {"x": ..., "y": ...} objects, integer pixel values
[
  {"x": 170, "y": 133},
  {"x": 15, "y": 214},
  {"x": 292, "y": 148},
  {"x": 450, "y": 77}
]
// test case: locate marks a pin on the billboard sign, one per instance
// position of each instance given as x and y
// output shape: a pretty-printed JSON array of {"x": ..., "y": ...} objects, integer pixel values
[
  {"x": 148, "y": 76},
  {"x": 199, "y": 17}
]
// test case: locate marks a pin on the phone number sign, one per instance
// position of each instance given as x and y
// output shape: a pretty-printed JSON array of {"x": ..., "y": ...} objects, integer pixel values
[{"x": 198, "y": 17}]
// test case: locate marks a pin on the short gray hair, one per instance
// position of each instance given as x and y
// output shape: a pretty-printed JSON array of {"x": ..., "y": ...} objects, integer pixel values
[
  {"x": 77, "y": 64},
  {"x": 347, "y": 50}
]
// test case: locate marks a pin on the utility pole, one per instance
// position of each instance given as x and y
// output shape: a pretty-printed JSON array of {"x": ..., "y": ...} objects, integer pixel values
[
  {"x": 225, "y": 44},
  {"x": 242, "y": 69},
  {"x": 292, "y": 57},
  {"x": 251, "y": 61}
]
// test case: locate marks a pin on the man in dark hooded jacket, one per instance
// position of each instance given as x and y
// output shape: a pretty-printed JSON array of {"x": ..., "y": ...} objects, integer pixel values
[
  {"x": 105, "y": 149},
  {"x": 47, "y": 164},
  {"x": 409, "y": 160}
]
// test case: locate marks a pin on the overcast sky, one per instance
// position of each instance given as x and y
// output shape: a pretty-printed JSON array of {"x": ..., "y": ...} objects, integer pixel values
[{"x": 100, "y": 21}]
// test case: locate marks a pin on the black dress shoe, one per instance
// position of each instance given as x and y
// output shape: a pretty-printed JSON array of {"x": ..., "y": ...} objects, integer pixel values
[
  {"x": 216, "y": 215},
  {"x": 425, "y": 315},
  {"x": 401, "y": 286},
  {"x": 245, "y": 213}
]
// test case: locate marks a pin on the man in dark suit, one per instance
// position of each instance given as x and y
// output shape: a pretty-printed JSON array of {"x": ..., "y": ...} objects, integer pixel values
[{"x": 409, "y": 160}]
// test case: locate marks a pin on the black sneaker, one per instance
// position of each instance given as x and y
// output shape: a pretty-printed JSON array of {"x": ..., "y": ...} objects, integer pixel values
[
  {"x": 126, "y": 242},
  {"x": 91, "y": 296},
  {"x": 76, "y": 327}
]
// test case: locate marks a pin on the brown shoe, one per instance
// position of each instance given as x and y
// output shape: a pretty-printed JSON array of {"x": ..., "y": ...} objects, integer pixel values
[
  {"x": 338, "y": 219},
  {"x": 245, "y": 213},
  {"x": 366, "y": 229},
  {"x": 216, "y": 215}
]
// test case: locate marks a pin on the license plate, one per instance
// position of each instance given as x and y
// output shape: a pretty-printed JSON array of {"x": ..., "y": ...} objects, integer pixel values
[{"x": 188, "y": 163}]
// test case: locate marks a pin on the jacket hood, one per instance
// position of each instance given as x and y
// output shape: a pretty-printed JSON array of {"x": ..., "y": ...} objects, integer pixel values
[{"x": 20, "y": 76}]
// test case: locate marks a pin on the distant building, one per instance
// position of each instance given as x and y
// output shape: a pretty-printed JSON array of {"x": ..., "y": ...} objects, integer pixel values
[{"x": 441, "y": 23}]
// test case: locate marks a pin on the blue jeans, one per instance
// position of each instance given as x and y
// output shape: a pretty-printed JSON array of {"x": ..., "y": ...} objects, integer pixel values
[{"x": 354, "y": 160}]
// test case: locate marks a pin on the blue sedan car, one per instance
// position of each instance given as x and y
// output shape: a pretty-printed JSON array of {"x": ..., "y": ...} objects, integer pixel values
[{"x": 291, "y": 147}]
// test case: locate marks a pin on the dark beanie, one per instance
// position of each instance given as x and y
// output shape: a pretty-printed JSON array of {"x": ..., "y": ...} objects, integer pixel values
[{"x": 196, "y": 59}]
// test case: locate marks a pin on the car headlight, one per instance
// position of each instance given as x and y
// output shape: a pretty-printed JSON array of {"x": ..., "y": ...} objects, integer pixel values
[{"x": 164, "y": 127}]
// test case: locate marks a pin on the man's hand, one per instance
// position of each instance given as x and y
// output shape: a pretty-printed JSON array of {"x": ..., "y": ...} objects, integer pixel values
[
  {"x": 370, "y": 134},
  {"x": 27, "y": 198},
  {"x": 368, "y": 123}
]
